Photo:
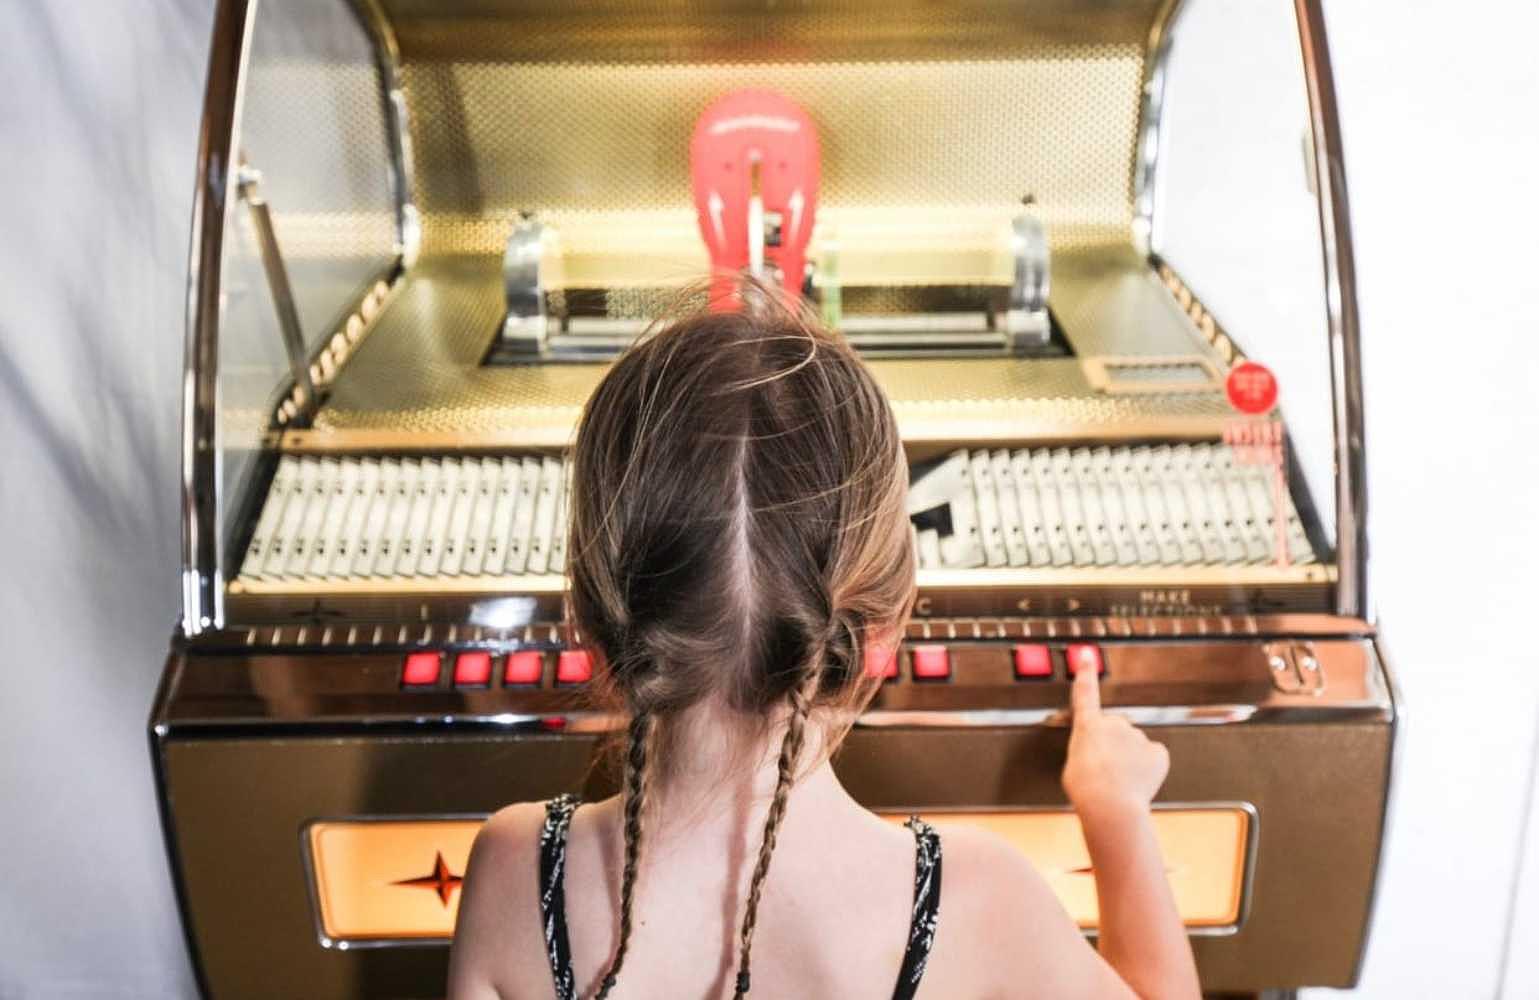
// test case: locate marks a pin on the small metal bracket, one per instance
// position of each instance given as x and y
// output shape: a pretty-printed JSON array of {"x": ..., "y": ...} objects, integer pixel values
[
  {"x": 1294, "y": 667},
  {"x": 248, "y": 182},
  {"x": 526, "y": 327},
  {"x": 1027, "y": 326}
]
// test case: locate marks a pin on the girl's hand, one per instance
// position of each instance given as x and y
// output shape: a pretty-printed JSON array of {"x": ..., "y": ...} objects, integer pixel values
[{"x": 1112, "y": 767}]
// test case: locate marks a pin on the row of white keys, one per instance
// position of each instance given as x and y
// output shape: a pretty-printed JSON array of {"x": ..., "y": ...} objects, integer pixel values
[
  {"x": 1029, "y": 502},
  {"x": 547, "y": 499},
  {"x": 1073, "y": 508},
  {"x": 1045, "y": 479},
  {"x": 1203, "y": 519},
  {"x": 1017, "y": 552},
  {"x": 402, "y": 495},
  {"x": 1260, "y": 487},
  {"x": 523, "y": 516},
  {"x": 1223, "y": 522},
  {"x": 457, "y": 541},
  {"x": 987, "y": 504},
  {"x": 1098, "y": 517},
  {"x": 1184, "y": 504},
  {"x": 299, "y": 496},
  {"x": 341, "y": 550},
  {"x": 504, "y": 502},
  {"x": 950, "y": 483},
  {"x": 1130, "y": 491},
  {"x": 329, "y": 538},
  {"x": 1251, "y": 525},
  {"x": 1119, "y": 529},
  {"x": 401, "y": 554},
  {"x": 271, "y": 514},
  {"x": 410, "y": 517},
  {"x": 558, "y": 540},
  {"x": 479, "y": 528}
]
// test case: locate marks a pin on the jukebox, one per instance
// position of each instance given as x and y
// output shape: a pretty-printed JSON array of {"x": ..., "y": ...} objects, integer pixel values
[{"x": 1110, "y": 299}]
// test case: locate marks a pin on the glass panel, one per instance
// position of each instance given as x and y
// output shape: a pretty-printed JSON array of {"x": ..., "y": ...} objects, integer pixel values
[
  {"x": 1237, "y": 213},
  {"x": 313, "y": 128}
]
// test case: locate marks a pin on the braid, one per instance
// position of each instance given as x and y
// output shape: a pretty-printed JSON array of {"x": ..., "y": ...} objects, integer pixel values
[
  {"x": 790, "y": 750},
  {"x": 635, "y": 798}
]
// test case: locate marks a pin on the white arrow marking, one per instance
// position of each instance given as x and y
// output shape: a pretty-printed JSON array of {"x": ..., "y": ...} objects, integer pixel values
[{"x": 715, "y": 206}]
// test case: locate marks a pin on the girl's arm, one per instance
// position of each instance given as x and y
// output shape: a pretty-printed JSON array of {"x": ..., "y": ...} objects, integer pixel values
[{"x": 1111, "y": 776}]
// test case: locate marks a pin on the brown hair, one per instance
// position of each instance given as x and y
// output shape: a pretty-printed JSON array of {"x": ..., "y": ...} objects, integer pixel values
[{"x": 738, "y": 533}]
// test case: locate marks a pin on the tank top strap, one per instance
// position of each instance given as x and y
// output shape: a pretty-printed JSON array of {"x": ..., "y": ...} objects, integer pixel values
[
  {"x": 926, "y": 912},
  {"x": 558, "y": 819}
]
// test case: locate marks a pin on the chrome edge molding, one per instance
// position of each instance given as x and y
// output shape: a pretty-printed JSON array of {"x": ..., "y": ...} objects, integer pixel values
[
  {"x": 388, "y": 54},
  {"x": 1391, "y": 781},
  {"x": 212, "y": 200},
  {"x": 1341, "y": 314},
  {"x": 1139, "y": 715},
  {"x": 1150, "y": 110}
]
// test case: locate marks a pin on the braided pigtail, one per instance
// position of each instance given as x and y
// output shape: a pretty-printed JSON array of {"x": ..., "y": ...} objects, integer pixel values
[
  {"x": 635, "y": 800},
  {"x": 790, "y": 751}
]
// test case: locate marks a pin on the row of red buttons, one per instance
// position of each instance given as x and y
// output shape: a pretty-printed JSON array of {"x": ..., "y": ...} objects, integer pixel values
[
  {"x": 1033, "y": 661},
  {"x": 473, "y": 668}
]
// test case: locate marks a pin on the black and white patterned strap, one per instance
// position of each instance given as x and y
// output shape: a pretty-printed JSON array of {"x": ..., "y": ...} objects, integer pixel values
[
  {"x": 921, "y": 927},
  {"x": 558, "y": 818}
]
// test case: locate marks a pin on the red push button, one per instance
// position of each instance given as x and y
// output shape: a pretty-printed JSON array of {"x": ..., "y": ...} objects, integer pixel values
[
  {"x": 931, "y": 663},
  {"x": 421, "y": 669},
  {"x": 574, "y": 666},
  {"x": 1085, "y": 656},
  {"x": 473, "y": 669},
  {"x": 524, "y": 667},
  {"x": 1033, "y": 661},
  {"x": 881, "y": 661}
]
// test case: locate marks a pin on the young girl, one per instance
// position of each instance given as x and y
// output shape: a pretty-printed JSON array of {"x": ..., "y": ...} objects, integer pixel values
[{"x": 738, "y": 536}]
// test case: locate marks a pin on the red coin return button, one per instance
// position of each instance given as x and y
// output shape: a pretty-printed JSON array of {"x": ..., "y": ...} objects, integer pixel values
[
  {"x": 1085, "y": 656},
  {"x": 931, "y": 663},
  {"x": 1033, "y": 661},
  {"x": 421, "y": 669},
  {"x": 524, "y": 667},
  {"x": 473, "y": 669},
  {"x": 574, "y": 666}
]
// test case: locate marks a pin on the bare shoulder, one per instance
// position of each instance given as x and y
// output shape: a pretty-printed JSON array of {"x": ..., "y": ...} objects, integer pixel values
[
  {"x": 1001, "y": 924},
  {"x": 508, "y": 842},
  {"x": 988, "y": 878},
  {"x": 498, "y": 932}
]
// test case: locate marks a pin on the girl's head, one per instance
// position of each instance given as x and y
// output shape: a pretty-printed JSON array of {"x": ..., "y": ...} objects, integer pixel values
[{"x": 738, "y": 535}]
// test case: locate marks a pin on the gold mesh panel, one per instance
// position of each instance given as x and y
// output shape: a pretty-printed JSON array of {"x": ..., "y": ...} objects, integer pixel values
[
  {"x": 516, "y": 106},
  {"x": 418, "y": 375}
]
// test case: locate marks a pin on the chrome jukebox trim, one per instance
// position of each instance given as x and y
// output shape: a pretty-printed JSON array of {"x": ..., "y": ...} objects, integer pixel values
[
  {"x": 1341, "y": 313},
  {"x": 1150, "y": 110},
  {"x": 398, "y": 129},
  {"x": 213, "y": 199},
  {"x": 1392, "y": 781}
]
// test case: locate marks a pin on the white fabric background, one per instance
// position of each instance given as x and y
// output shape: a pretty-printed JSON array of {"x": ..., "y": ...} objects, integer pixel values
[{"x": 99, "y": 107}]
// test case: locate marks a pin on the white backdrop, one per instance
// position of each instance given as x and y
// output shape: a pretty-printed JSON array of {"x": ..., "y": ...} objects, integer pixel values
[
  {"x": 99, "y": 107},
  {"x": 1441, "y": 139},
  {"x": 98, "y": 116}
]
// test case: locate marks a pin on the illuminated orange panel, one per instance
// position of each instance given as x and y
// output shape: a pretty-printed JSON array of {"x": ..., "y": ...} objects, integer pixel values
[
  {"x": 399, "y": 879},
  {"x": 389, "y": 879},
  {"x": 1204, "y": 850}
]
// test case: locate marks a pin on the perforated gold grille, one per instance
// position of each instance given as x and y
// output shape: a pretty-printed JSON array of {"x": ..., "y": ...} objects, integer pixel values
[
  {"x": 418, "y": 373},
  {"x": 524, "y": 107}
]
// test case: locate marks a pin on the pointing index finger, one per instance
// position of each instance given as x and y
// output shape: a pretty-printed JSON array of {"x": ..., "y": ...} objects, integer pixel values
[{"x": 1086, "y": 692}]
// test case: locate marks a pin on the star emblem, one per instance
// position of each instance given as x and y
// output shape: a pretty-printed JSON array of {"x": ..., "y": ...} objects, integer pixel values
[{"x": 441, "y": 880}]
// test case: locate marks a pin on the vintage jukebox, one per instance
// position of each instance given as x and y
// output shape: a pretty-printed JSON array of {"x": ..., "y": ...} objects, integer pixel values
[{"x": 1097, "y": 253}]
